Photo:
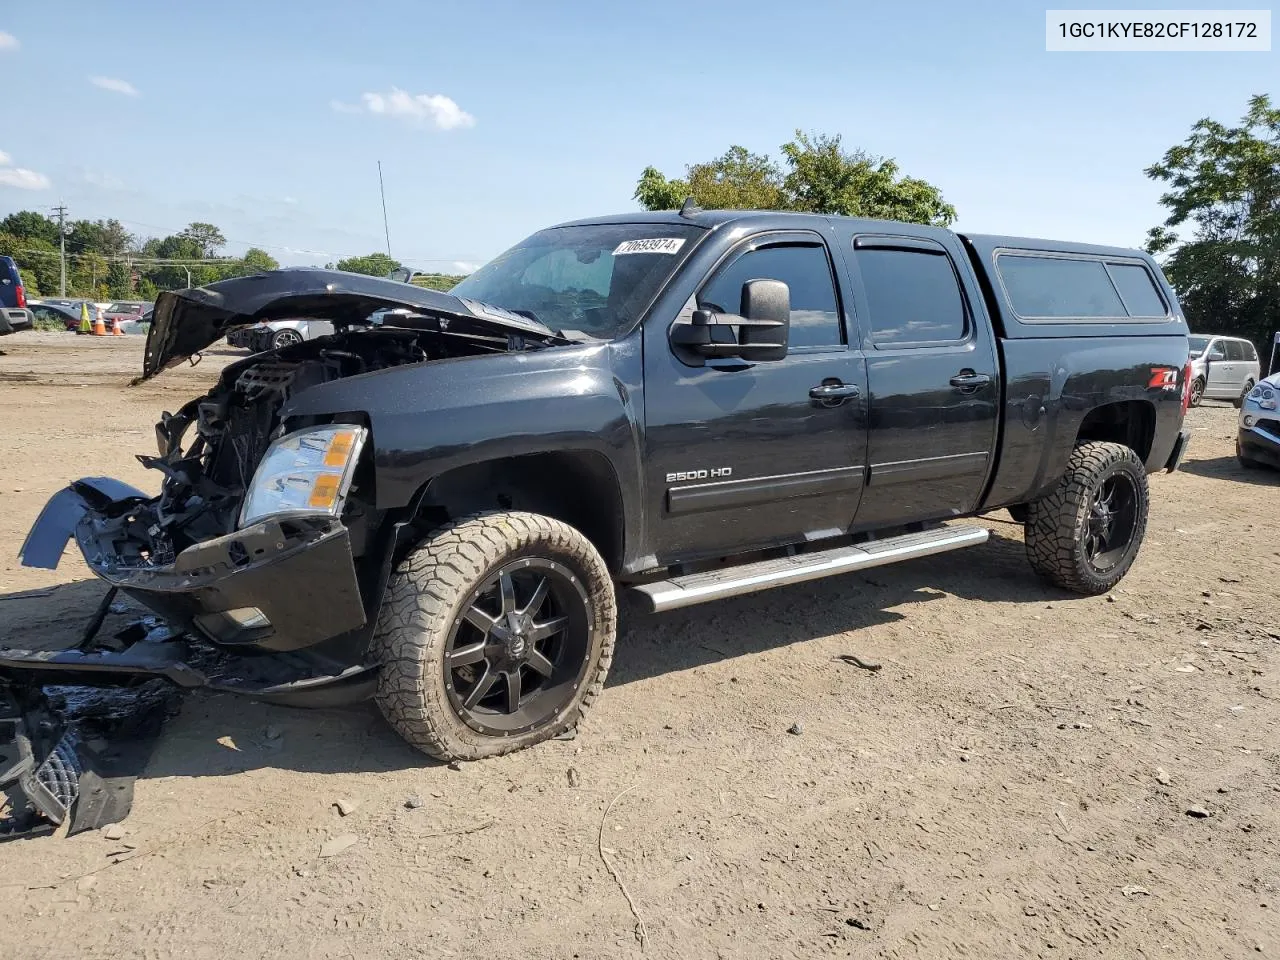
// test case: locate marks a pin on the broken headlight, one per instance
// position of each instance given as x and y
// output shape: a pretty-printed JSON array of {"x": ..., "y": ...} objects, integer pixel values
[{"x": 305, "y": 473}]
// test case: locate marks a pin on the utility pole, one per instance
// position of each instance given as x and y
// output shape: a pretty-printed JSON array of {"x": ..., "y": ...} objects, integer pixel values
[
  {"x": 383, "y": 191},
  {"x": 61, "y": 211}
]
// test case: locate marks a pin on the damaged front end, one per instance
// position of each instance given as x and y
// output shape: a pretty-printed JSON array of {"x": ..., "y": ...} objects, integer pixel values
[{"x": 264, "y": 557}]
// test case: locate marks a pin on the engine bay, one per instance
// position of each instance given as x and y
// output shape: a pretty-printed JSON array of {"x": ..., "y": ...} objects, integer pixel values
[{"x": 210, "y": 448}]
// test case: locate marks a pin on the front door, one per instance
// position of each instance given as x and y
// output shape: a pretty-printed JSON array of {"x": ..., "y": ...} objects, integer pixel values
[
  {"x": 934, "y": 383},
  {"x": 740, "y": 455},
  {"x": 1218, "y": 370}
]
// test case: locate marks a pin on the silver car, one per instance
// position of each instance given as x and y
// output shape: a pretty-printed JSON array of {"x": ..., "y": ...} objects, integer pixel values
[
  {"x": 1222, "y": 368},
  {"x": 1258, "y": 441},
  {"x": 275, "y": 334}
]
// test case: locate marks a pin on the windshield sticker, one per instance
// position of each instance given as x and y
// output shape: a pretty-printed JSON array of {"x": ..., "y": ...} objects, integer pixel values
[{"x": 658, "y": 245}]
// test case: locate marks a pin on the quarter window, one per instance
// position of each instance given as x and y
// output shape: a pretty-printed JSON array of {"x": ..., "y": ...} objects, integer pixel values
[
  {"x": 805, "y": 269},
  {"x": 913, "y": 297}
]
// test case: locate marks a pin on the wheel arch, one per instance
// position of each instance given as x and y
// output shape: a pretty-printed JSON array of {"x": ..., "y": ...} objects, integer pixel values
[
  {"x": 577, "y": 487},
  {"x": 1128, "y": 422}
]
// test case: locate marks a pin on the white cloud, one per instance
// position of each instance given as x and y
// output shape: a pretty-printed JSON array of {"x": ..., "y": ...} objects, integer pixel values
[
  {"x": 291, "y": 201},
  {"x": 8, "y": 41},
  {"x": 115, "y": 85},
  {"x": 434, "y": 109},
  {"x": 465, "y": 266},
  {"x": 23, "y": 179},
  {"x": 4, "y": 159}
]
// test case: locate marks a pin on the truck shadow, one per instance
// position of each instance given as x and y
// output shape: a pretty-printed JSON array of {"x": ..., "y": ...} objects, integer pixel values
[
  {"x": 221, "y": 735},
  {"x": 1229, "y": 468}
]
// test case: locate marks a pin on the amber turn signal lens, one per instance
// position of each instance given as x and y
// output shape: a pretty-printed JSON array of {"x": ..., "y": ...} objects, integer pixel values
[
  {"x": 340, "y": 448},
  {"x": 325, "y": 491}
]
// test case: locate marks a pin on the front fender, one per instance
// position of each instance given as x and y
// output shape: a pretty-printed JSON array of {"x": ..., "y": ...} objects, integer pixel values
[{"x": 431, "y": 418}]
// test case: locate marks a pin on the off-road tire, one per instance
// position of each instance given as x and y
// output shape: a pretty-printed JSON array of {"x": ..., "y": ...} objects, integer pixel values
[
  {"x": 423, "y": 599},
  {"x": 1055, "y": 523},
  {"x": 1197, "y": 392}
]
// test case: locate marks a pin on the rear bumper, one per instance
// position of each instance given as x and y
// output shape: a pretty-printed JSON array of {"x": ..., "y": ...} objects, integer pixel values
[
  {"x": 276, "y": 585},
  {"x": 13, "y": 319},
  {"x": 1179, "y": 450}
]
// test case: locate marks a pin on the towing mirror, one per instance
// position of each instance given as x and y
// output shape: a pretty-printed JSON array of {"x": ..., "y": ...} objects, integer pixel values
[{"x": 761, "y": 328}]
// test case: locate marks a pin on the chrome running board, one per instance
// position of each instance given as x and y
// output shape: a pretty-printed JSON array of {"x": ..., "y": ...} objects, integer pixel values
[{"x": 685, "y": 591}]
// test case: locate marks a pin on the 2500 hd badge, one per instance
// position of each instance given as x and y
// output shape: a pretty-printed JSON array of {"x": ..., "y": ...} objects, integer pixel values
[{"x": 699, "y": 474}]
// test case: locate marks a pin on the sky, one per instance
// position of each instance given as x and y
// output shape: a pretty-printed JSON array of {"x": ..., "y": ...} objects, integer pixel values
[{"x": 494, "y": 119}]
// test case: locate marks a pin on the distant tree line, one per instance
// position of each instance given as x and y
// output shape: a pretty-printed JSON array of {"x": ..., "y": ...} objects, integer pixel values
[{"x": 107, "y": 262}]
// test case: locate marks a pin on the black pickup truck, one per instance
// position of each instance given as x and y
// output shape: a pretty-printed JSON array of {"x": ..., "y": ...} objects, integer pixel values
[{"x": 436, "y": 504}]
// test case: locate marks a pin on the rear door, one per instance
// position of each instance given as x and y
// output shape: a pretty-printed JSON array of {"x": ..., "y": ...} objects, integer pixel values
[{"x": 933, "y": 378}]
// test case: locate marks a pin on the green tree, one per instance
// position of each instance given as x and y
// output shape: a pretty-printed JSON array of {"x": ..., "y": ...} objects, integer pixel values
[
  {"x": 27, "y": 225},
  {"x": 37, "y": 259},
  {"x": 207, "y": 238},
  {"x": 820, "y": 177},
  {"x": 1223, "y": 229},
  {"x": 119, "y": 280},
  {"x": 373, "y": 265},
  {"x": 106, "y": 237}
]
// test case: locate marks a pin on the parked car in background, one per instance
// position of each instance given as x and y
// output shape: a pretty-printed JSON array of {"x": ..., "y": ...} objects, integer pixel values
[
  {"x": 66, "y": 312},
  {"x": 14, "y": 315},
  {"x": 1258, "y": 441},
  {"x": 1222, "y": 368},
  {"x": 126, "y": 311},
  {"x": 276, "y": 334}
]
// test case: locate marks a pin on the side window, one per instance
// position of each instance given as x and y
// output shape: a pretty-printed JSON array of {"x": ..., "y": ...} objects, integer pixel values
[
  {"x": 912, "y": 297},
  {"x": 1249, "y": 352},
  {"x": 1216, "y": 351},
  {"x": 1234, "y": 350},
  {"x": 1058, "y": 287},
  {"x": 805, "y": 269},
  {"x": 1137, "y": 290}
]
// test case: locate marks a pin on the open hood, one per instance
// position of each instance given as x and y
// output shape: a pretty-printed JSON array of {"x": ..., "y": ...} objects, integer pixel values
[{"x": 187, "y": 321}]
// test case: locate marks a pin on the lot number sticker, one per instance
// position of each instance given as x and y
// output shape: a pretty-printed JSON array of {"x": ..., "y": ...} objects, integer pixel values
[{"x": 658, "y": 245}]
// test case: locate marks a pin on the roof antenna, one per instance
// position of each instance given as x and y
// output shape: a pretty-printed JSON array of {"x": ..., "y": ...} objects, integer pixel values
[{"x": 690, "y": 208}]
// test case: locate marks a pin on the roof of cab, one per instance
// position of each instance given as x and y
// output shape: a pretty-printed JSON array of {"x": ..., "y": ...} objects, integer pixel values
[{"x": 709, "y": 219}]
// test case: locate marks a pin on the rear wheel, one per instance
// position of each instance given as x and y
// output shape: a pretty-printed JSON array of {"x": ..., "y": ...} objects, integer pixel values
[
  {"x": 495, "y": 634},
  {"x": 1085, "y": 535},
  {"x": 1197, "y": 391}
]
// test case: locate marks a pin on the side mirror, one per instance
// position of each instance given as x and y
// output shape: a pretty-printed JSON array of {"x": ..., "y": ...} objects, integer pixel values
[{"x": 762, "y": 326}]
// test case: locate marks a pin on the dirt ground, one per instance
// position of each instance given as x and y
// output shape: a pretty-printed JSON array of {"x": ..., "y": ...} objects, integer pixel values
[{"x": 1016, "y": 781}]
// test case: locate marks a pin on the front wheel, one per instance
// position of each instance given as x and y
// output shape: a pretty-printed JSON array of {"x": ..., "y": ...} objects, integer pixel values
[
  {"x": 1085, "y": 535},
  {"x": 495, "y": 634},
  {"x": 1238, "y": 402}
]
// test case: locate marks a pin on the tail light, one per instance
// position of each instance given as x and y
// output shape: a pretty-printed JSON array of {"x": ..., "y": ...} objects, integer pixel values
[
  {"x": 1186, "y": 387},
  {"x": 22, "y": 296}
]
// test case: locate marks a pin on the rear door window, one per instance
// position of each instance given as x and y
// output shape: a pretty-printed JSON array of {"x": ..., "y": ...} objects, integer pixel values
[
  {"x": 913, "y": 297},
  {"x": 1234, "y": 350}
]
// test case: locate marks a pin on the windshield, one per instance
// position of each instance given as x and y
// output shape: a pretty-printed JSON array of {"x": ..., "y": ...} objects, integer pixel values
[
  {"x": 124, "y": 308},
  {"x": 1197, "y": 345},
  {"x": 595, "y": 279}
]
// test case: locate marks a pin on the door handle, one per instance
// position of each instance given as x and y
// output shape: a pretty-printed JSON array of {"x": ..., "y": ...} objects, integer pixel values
[
  {"x": 968, "y": 380},
  {"x": 834, "y": 391}
]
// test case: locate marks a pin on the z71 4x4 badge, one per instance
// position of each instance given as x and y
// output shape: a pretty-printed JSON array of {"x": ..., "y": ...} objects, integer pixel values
[
  {"x": 1163, "y": 378},
  {"x": 713, "y": 473}
]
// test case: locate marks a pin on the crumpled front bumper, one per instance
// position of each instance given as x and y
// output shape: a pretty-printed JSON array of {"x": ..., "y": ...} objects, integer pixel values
[{"x": 277, "y": 585}]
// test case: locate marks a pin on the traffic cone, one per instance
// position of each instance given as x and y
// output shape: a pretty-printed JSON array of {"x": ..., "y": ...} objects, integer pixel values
[
  {"x": 84, "y": 319},
  {"x": 115, "y": 327},
  {"x": 99, "y": 325}
]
